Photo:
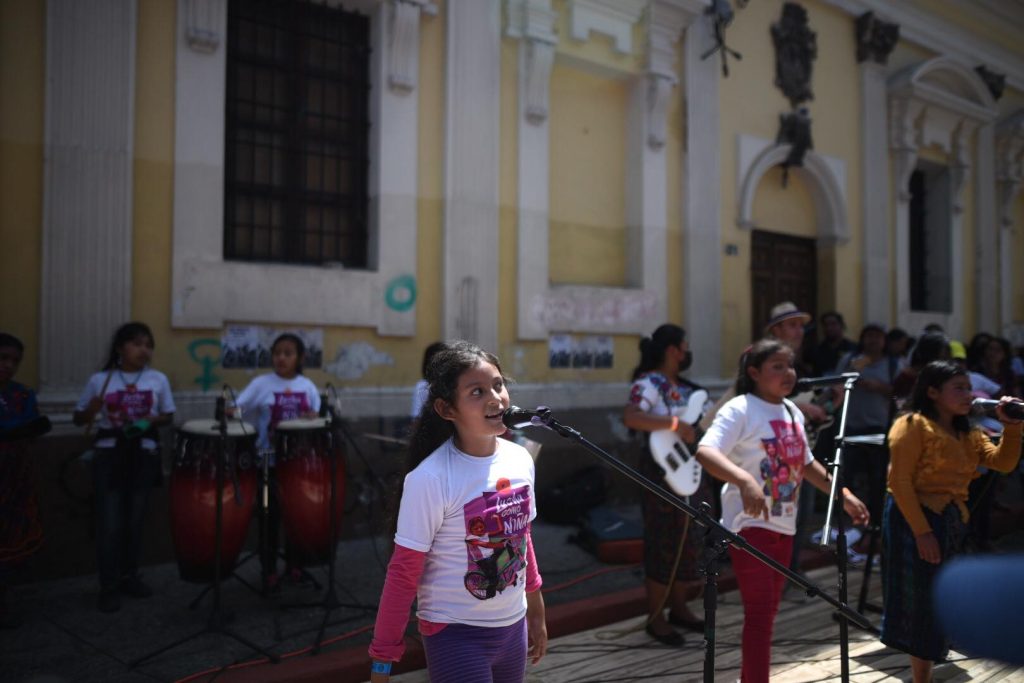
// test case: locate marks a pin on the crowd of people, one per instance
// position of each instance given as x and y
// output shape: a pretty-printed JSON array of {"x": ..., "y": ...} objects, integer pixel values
[{"x": 463, "y": 544}]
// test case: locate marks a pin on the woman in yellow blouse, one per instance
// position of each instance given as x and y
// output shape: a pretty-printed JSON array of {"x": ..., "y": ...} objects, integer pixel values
[{"x": 934, "y": 456}]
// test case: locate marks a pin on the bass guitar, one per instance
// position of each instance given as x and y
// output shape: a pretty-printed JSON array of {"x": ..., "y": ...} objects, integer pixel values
[{"x": 682, "y": 471}]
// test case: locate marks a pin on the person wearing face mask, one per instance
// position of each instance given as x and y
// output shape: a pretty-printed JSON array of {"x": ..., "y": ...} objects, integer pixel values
[{"x": 657, "y": 395}]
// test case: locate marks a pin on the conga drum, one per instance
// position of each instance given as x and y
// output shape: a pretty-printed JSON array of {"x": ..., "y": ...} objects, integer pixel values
[
  {"x": 304, "y": 450},
  {"x": 193, "y": 494}
]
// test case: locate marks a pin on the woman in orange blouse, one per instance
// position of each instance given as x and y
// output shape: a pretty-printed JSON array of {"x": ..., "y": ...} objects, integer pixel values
[{"x": 934, "y": 456}]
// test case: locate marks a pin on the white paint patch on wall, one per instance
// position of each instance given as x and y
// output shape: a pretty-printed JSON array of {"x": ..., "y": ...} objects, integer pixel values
[
  {"x": 354, "y": 360},
  {"x": 595, "y": 309}
]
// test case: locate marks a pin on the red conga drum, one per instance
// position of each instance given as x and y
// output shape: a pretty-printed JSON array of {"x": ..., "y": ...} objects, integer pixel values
[
  {"x": 304, "y": 450},
  {"x": 194, "y": 496}
]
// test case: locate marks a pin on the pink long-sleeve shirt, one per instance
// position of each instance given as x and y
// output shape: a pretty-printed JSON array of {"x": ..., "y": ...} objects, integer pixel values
[{"x": 403, "y": 578}]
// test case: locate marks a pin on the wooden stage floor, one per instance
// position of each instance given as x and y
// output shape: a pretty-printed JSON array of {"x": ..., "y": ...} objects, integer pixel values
[{"x": 806, "y": 649}]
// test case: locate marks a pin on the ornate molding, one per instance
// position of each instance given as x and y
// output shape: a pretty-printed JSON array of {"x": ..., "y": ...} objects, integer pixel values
[
  {"x": 996, "y": 82},
  {"x": 665, "y": 22},
  {"x": 403, "y": 47},
  {"x": 875, "y": 38},
  {"x": 927, "y": 111},
  {"x": 825, "y": 177},
  {"x": 532, "y": 21},
  {"x": 614, "y": 18},
  {"x": 204, "y": 24},
  {"x": 796, "y": 48},
  {"x": 1009, "y": 166}
]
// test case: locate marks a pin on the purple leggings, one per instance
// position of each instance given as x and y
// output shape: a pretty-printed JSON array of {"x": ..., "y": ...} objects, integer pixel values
[{"x": 477, "y": 654}]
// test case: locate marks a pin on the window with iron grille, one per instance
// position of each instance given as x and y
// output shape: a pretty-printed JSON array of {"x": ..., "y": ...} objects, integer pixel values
[{"x": 296, "y": 133}]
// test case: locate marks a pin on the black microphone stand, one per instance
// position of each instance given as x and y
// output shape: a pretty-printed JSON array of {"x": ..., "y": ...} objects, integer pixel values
[
  {"x": 836, "y": 495},
  {"x": 330, "y": 601},
  {"x": 216, "y": 623},
  {"x": 716, "y": 540}
]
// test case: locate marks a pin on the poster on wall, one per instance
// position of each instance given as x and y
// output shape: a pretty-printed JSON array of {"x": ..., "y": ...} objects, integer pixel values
[
  {"x": 248, "y": 346},
  {"x": 560, "y": 351},
  {"x": 567, "y": 351}
]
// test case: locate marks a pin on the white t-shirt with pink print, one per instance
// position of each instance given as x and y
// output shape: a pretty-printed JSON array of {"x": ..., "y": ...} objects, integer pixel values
[
  {"x": 269, "y": 399},
  {"x": 470, "y": 516},
  {"x": 768, "y": 441}
]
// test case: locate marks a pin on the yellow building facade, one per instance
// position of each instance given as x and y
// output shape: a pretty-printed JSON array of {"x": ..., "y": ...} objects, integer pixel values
[{"x": 539, "y": 170}]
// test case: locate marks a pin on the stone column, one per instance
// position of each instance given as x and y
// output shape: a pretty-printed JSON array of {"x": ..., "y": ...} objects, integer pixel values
[{"x": 87, "y": 187}]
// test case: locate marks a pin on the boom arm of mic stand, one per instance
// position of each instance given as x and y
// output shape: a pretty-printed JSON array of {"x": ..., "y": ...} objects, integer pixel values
[
  {"x": 703, "y": 519},
  {"x": 837, "y": 462}
]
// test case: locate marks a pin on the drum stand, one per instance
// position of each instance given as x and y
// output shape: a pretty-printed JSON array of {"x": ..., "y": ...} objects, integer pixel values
[
  {"x": 216, "y": 622},
  {"x": 330, "y": 601}
]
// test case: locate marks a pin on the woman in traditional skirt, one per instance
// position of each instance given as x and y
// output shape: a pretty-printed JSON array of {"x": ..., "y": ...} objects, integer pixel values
[
  {"x": 934, "y": 456},
  {"x": 670, "y": 539}
]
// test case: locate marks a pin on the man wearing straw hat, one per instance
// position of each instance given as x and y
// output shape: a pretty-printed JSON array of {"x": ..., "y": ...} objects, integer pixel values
[{"x": 785, "y": 323}]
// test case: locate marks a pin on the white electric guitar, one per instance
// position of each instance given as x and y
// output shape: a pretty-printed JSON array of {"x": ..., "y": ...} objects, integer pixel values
[{"x": 682, "y": 471}]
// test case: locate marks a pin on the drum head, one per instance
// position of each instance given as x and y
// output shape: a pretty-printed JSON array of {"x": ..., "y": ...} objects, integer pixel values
[
  {"x": 302, "y": 424},
  {"x": 236, "y": 428}
]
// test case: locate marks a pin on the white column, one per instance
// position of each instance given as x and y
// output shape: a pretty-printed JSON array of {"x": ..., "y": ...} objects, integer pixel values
[
  {"x": 532, "y": 23},
  {"x": 875, "y": 210},
  {"x": 87, "y": 186},
  {"x": 702, "y": 245},
  {"x": 473, "y": 73},
  {"x": 986, "y": 231}
]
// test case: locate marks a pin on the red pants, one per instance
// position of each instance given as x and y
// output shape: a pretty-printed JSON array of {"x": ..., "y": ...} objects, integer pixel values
[{"x": 761, "y": 590}]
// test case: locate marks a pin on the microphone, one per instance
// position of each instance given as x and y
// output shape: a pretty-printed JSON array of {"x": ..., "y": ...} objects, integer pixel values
[
  {"x": 809, "y": 382},
  {"x": 219, "y": 412},
  {"x": 1013, "y": 410},
  {"x": 515, "y": 417},
  {"x": 323, "y": 404}
]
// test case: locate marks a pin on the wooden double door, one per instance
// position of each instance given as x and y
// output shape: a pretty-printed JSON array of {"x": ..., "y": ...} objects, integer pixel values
[{"x": 782, "y": 268}]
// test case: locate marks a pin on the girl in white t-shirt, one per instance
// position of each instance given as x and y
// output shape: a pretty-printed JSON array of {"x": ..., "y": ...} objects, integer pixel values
[
  {"x": 285, "y": 394},
  {"x": 128, "y": 401},
  {"x": 462, "y": 546},
  {"x": 758, "y": 446}
]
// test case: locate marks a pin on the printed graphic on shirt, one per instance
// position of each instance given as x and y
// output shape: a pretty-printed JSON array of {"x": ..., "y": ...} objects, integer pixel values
[
  {"x": 782, "y": 468},
  {"x": 496, "y": 524},
  {"x": 288, "y": 406},
  {"x": 127, "y": 405}
]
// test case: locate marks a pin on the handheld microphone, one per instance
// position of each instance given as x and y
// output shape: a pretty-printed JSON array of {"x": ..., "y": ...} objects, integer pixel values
[
  {"x": 809, "y": 382},
  {"x": 515, "y": 417},
  {"x": 1013, "y": 410}
]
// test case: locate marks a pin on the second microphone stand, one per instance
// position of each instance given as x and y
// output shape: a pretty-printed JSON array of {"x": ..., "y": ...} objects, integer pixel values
[
  {"x": 717, "y": 539},
  {"x": 330, "y": 601},
  {"x": 836, "y": 495},
  {"x": 217, "y": 621}
]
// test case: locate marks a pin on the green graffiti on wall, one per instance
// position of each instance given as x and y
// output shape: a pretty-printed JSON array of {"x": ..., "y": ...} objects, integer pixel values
[{"x": 208, "y": 361}]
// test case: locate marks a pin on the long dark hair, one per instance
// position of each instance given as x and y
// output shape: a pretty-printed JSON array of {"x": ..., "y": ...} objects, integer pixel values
[
  {"x": 931, "y": 346},
  {"x": 428, "y": 355},
  {"x": 430, "y": 430},
  {"x": 652, "y": 349},
  {"x": 934, "y": 376},
  {"x": 300, "y": 348},
  {"x": 122, "y": 336},
  {"x": 754, "y": 357},
  {"x": 9, "y": 341}
]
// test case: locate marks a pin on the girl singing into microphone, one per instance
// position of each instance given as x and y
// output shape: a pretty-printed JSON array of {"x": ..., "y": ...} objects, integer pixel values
[
  {"x": 462, "y": 547},
  {"x": 934, "y": 455}
]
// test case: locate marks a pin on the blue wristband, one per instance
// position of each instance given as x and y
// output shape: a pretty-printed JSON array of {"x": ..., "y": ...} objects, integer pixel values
[{"x": 381, "y": 668}]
